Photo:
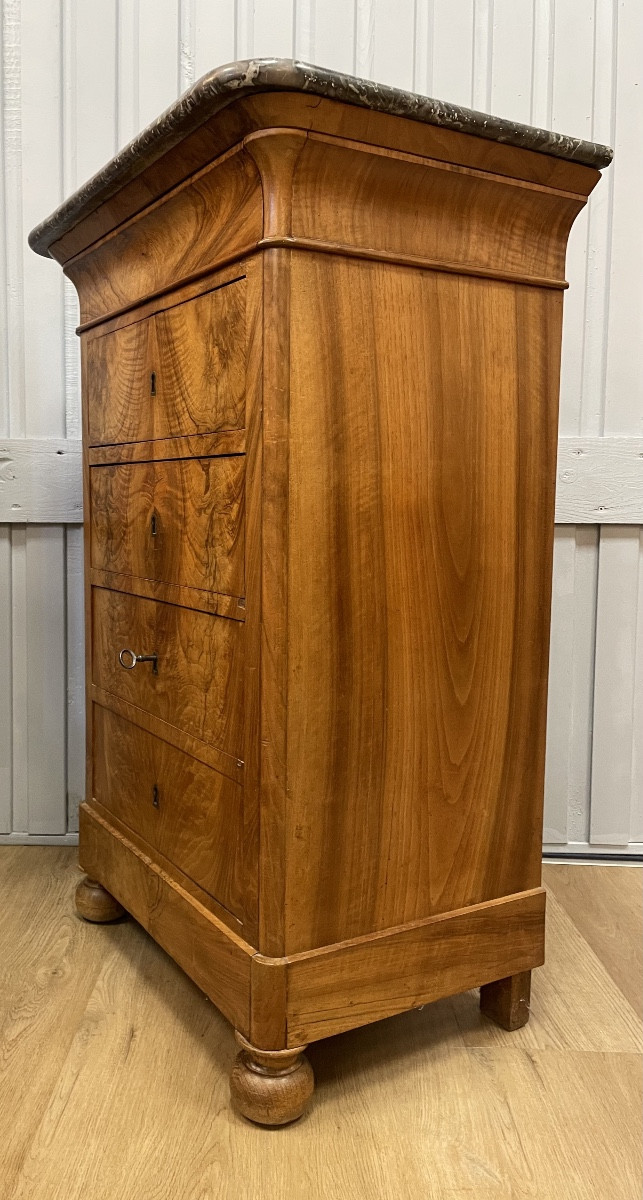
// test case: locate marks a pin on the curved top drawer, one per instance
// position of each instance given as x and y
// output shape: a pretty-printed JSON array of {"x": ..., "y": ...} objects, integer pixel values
[{"x": 181, "y": 371}]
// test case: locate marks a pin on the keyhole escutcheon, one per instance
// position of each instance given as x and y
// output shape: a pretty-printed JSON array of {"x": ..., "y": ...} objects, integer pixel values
[{"x": 152, "y": 383}]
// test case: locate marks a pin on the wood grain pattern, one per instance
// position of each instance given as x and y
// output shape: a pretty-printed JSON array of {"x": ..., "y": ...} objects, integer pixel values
[
  {"x": 51, "y": 963},
  {"x": 506, "y": 1001},
  {"x": 181, "y": 522},
  {"x": 203, "y": 445},
  {"x": 274, "y": 600},
  {"x": 448, "y": 213},
  {"x": 179, "y": 806},
  {"x": 268, "y": 1002},
  {"x": 319, "y": 114},
  {"x": 196, "y": 351},
  {"x": 421, "y": 538},
  {"x": 197, "y": 284},
  {"x": 271, "y": 1087},
  {"x": 171, "y": 593},
  {"x": 606, "y": 906},
  {"x": 216, "y": 214},
  {"x": 95, "y": 904},
  {"x": 204, "y": 752},
  {"x": 421, "y": 261},
  {"x": 101, "y": 1030},
  {"x": 205, "y": 899},
  {"x": 217, "y": 959},
  {"x": 199, "y": 685},
  {"x": 389, "y": 365},
  {"x": 254, "y": 482},
  {"x": 345, "y": 121},
  {"x": 576, "y": 1003},
  {"x": 337, "y": 988}
]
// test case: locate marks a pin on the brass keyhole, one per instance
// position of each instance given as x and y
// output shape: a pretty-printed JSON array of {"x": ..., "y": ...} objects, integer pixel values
[
  {"x": 153, "y": 525},
  {"x": 155, "y": 797}
]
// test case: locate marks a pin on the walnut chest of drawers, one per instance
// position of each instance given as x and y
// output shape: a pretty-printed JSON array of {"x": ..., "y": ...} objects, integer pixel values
[{"x": 320, "y": 327}]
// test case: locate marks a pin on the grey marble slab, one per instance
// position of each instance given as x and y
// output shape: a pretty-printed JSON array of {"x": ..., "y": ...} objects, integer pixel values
[{"x": 216, "y": 89}]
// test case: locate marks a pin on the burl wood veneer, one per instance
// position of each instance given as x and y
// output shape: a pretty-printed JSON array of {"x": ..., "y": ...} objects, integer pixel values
[{"x": 320, "y": 327}]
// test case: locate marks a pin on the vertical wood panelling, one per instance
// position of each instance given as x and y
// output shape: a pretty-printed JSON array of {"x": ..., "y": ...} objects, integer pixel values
[
  {"x": 273, "y": 29},
  {"x": 5, "y": 688},
  {"x": 616, "y": 782},
  {"x": 636, "y": 823},
  {"x": 573, "y": 598},
  {"x": 571, "y": 677},
  {"x": 187, "y": 55},
  {"x": 6, "y": 200},
  {"x": 364, "y": 39},
  {"x": 89, "y": 137},
  {"x": 40, "y": 624},
  {"x": 304, "y": 30},
  {"x": 483, "y": 52},
  {"x": 213, "y": 31},
  {"x": 559, "y": 712},
  {"x": 79, "y": 80},
  {"x": 393, "y": 49},
  {"x": 569, "y": 98},
  {"x": 158, "y": 57},
  {"x": 423, "y": 47},
  {"x": 126, "y": 58},
  {"x": 75, "y": 630},
  {"x": 453, "y": 51},
  {"x": 14, "y": 616},
  {"x": 19, "y": 675},
  {"x": 616, "y": 625},
  {"x": 510, "y": 77},
  {"x": 46, "y": 669},
  {"x": 334, "y": 34},
  {"x": 572, "y": 88}
]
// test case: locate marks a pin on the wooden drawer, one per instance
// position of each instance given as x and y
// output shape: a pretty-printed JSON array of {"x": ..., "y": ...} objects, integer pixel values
[
  {"x": 199, "y": 684},
  {"x": 190, "y": 813},
  {"x": 179, "y": 372},
  {"x": 180, "y": 522}
]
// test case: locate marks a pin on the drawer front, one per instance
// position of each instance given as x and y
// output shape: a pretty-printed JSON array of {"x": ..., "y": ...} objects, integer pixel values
[
  {"x": 180, "y": 522},
  {"x": 198, "y": 685},
  {"x": 179, "y": 806},
  {"x": 179, "y": 372}
]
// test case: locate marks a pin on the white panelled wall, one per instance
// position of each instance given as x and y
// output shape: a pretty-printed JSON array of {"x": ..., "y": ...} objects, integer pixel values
[{"x": 80, "y": 78}]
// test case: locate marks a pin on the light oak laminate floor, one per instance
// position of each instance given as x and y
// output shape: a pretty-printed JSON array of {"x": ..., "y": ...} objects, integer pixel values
[{"x": 114, "y": 1068}]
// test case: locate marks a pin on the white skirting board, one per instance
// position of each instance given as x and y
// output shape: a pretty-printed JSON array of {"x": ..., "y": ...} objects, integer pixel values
[
  {"x": 38, "y": 839},
  {"x": 580, "y": 852}
]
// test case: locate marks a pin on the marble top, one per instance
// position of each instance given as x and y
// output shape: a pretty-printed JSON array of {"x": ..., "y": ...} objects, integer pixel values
[{"x": 219, "y": 87}]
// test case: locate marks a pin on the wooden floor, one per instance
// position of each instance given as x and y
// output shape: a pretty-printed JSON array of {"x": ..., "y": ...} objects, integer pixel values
[{"x": 113, "y": 1069}]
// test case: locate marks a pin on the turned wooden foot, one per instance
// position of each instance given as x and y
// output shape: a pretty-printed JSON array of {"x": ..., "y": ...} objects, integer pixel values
[
  {"x": 93, "y": 903},
  {"x": 507, "y": 1000},
  {"x": 271, "y": 1087}
]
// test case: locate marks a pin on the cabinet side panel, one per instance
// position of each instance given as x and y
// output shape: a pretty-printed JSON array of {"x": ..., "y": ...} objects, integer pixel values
[
  {"x": 421, "y": 483},
  {"x": 274, "y": 568}
]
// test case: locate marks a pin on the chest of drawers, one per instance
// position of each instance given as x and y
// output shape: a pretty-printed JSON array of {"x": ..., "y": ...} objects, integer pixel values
[{"x": 320, "y": 329}]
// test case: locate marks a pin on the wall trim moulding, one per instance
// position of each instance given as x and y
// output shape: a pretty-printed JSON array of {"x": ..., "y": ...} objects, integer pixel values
[
  {"x": 599, "y": 481},
  {"x": 41, "y": 481}
]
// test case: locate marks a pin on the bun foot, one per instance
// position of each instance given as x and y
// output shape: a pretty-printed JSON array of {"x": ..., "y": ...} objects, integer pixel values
[
  {"x": 507, "y": 1000},
  {"x": 270, "y": 1087},
  {"x": 93, "y": 903}
]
